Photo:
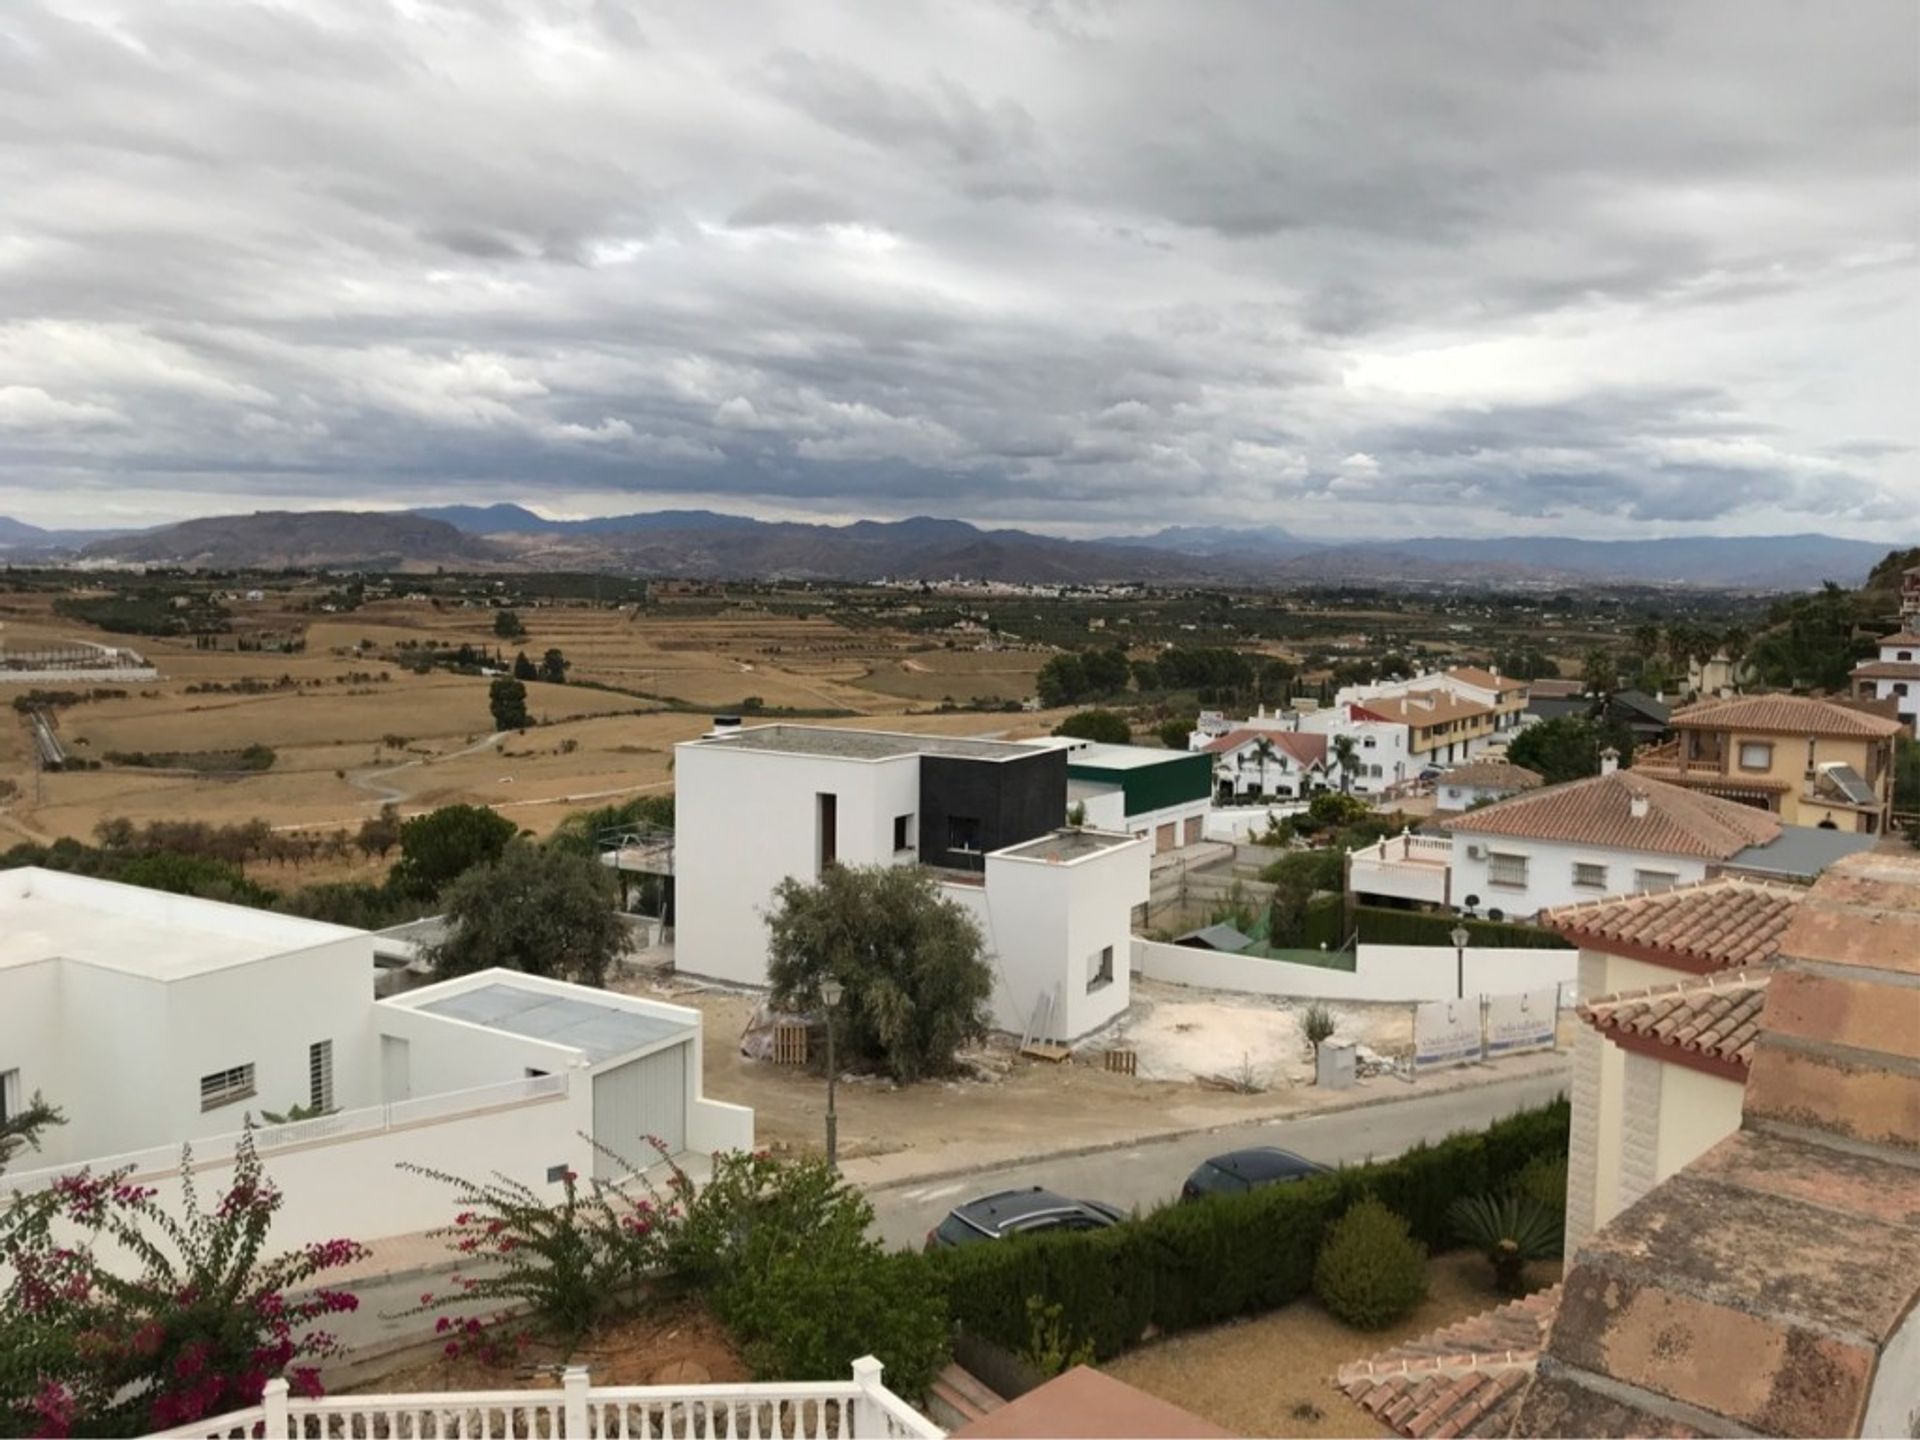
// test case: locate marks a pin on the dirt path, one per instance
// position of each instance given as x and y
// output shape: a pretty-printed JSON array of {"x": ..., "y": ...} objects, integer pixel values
[{"x": 369, "y": 780}]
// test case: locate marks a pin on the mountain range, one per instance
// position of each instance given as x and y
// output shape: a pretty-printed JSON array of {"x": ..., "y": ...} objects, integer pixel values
[{"x": 707, "y": 544}]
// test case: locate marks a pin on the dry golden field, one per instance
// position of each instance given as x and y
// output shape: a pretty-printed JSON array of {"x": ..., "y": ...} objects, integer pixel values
[{"x": 351, "y": 730}]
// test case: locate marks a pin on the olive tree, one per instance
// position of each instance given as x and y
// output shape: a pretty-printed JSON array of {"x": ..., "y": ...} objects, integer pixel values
[
  {"x": 915, "y": 983},
  {"x": 535, "y": 909}
]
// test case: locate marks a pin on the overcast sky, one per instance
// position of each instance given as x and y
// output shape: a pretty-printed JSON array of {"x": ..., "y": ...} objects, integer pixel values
[{"x": 1356, "y": 268}]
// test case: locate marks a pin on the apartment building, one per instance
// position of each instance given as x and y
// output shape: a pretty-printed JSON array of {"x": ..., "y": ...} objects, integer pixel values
[
  {"x": 758, "y": 805},
  {"x": 1809, "y": 761}
]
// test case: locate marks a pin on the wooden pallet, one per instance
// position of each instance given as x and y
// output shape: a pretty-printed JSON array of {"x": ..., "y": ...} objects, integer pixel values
[
  {"x": 1046, "y": 1050},
  {"x": 790, "y": 1044},
  {"x": 1123, "y": 1062}
]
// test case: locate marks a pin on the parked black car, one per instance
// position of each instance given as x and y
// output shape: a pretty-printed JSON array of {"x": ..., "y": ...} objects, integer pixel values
[
  {"x": 1019, "y": 1212},
  {"x": 1238, "y": 1171}
]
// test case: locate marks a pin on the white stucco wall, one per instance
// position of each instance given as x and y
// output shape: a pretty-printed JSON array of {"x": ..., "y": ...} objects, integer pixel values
[
  {"x": 746, "y": 820},
  {"x": 1697, "y": 1112},
  {"x": 1550, "y": 873},
  {"x": 1409, "y": 973}
]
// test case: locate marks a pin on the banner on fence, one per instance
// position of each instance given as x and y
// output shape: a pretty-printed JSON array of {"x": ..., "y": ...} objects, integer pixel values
[
  {"x": 1446, "y": 1032},
  {"x": 1522, "y": 1022}
]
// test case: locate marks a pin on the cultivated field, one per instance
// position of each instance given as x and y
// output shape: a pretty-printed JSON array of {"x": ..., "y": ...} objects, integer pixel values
[{"x": 351, "y": 727}]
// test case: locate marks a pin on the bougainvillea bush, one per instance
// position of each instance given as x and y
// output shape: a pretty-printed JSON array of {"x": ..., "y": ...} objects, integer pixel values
[{"x": 199, "y": 1327}]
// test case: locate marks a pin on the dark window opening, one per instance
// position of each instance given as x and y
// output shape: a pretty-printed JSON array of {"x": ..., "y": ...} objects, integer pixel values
[
  {"x": 963, "y": 833},
  {"x": 828, "y": 844},
  {"x": 903, "y": 832}
]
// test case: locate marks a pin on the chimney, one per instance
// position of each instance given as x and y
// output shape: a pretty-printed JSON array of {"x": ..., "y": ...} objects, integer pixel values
[
  {"x": 1637, "y": 807},
  {"x": 1609, "y": 760}
]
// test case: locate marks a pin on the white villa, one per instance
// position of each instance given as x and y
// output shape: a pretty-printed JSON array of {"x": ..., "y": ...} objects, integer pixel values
[
  {"x": 1894, "y": 676},
  {"x": 757, "y": 805},
  {"x": 152, "y": 1019},
  {"x": 1382, "y": 757}
]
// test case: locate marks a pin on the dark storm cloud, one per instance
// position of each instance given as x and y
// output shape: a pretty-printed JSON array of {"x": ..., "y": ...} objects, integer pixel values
[{"x": 1343, "y": 265}]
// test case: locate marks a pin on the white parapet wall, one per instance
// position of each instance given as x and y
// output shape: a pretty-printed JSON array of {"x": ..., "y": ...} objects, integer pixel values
[{"x": 1407, "y": 973}]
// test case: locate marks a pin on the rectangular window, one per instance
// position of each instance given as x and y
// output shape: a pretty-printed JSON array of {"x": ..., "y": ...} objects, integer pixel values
[
  {"x": 10, "y": 1102},
  {"x": 1367, "y": 744},
  {"x": 1506, "y": 869},
  {"x": 1756, "y": 755},
  {"x": 1100, "y": 969},
  {"x": 902, "y": 833},
  {"x": 827, "y": 827},
  {"x": 1650, "y": 882},
  {"x": 223, "y": 1087},
  {"x": 963, "y": 833},
  {"x": 320, "y": 1076},
  {"x": 1589, "y": 877}
]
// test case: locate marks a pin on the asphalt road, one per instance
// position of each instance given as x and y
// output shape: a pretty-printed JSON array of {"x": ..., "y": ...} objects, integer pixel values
[{"x": 1149, "y": 1174}]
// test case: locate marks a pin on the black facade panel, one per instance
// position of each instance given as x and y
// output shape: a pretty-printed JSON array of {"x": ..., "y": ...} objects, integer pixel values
[{"x": 969, "y": 807}]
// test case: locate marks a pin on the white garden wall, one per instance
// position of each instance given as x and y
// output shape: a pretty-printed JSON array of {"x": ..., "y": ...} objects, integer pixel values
[{"x": 1382, "y": 972}]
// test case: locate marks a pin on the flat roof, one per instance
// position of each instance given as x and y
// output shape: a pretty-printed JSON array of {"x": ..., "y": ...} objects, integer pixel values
[
  {"x": 1801, "y": 851},
  {"x": 49, "y": 914},
  {"x": 1065, "y": 845},
  {"x": 842, "y": 744},
  {"x": 599, "y": 1031},
  {"x": 1124, "y": 757}
]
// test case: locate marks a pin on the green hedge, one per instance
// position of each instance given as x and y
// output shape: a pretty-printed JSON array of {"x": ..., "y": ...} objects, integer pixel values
[
  {"x": 1381, "y": 925},
  {"x": 1185, "y": 1266},
  {"x": 1325, "y": 922}
]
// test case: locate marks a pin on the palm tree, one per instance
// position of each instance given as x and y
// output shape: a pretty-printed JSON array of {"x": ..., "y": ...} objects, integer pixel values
[
  {"x": 1346, "y": 754},
  {"x": 1263, "y": 752}
]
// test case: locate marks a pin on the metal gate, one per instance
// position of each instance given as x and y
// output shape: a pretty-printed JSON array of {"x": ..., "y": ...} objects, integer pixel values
[{"x": 643, "y": 1097}]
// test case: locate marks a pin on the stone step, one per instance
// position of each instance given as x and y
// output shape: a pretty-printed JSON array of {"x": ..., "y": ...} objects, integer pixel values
[{"x": 958, "y": 1398}]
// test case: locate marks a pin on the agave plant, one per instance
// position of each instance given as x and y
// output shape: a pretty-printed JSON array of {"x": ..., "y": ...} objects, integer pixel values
[{"x": 1510, "y": 1230}]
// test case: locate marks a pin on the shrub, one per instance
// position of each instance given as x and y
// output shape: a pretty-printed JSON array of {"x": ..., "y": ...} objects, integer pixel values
[
  {"x": 1381, "y": 925},
  {"x": 568, "y": 1266},
  {"x": 199, "y": 1329},
  {"x": 1545, "y": 1179},
  {"x": 1107, "y": 727},
  {"x": 1051, "y": 1347},
  {"x": 1185, "y": 1266},
  {"x": 1510, "y": 1230},
  {"x": 1371, "y": 1271},
  {"x": 1317, "y": 1025}
]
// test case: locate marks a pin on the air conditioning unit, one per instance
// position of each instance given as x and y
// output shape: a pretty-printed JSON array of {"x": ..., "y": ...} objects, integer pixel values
[{"x": 1476, "y": 852}]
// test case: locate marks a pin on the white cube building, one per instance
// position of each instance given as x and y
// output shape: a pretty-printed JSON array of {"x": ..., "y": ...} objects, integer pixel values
[{"x": 756, "y": 806}]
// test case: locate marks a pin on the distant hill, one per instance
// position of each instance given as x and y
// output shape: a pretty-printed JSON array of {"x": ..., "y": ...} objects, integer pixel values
[
  {"x": 273, "y": 539},
  {"x": 707, "y": 544}
]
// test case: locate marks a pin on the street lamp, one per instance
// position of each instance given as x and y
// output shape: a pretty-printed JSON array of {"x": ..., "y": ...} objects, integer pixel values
[
  {"x": 1460, "y": 936},
  {"x": 830, "y": 993}
]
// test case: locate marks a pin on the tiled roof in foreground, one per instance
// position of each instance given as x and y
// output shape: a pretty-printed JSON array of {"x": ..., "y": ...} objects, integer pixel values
[
  {"x": 1625, "y": 811},
  {"x": 1460, "y": 1380},
  {"x": 1714, "y": 925},
  {"x": 1717, "y": 1018}
]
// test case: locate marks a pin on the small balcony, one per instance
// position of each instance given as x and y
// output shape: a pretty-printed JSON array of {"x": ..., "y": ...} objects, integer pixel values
[
  {"x": 1405, "y": 867},
  {"x": 861, "y": 1408}
]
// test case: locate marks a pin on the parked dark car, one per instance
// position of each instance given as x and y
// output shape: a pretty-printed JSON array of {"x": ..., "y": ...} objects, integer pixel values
[
  {"x": 1239, "y": 1171},
  {"x": 1019, "y": 1212}
]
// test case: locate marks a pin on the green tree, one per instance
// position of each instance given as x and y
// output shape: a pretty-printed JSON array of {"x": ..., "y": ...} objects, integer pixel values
[
  {"x": 1330, "y": 809},
  {"x": 553, "y": 668},
  {"x": 535, "y": 909},
  {"x": 1106, "y": 671},
  {"x": 916, "y": 985},
  {"x": 1346, "y": 755},
  {"x": 21, "y": 1131},
  {"x": 507, "y": 699},
  {"x": 1567, "y": 748},
  {"x": 523, "y": 668},
  {"x": 1599, "y": 672},
  {"x": 506, "y": 624},
  {"x": 1906, "y": 774},
  {"x": 1108, "y": 727},
  {"x": 1061, "y": 681},
  {"x": 580, "y": 832},
  {"x": 379, "y": 833},
  {"x": 439, "y": 847},
  {"x": 1173, "y": 733}
]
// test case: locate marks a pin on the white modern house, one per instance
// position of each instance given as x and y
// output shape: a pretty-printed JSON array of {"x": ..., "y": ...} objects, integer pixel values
[
  {"x": 1894, "y": 676},
  {"x": 153, "y": 1020},
  {"x": 1270, "y": 764},
  {"x": 758, "y": 805}
]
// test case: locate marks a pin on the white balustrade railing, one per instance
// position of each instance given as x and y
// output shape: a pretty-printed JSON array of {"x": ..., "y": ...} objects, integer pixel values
[
  {"x": 367, "y": 1120},
  {"x": 858, "y": 1409}
]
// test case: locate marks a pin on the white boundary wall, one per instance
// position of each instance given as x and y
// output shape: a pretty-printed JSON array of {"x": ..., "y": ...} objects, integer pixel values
[{"x": 1382, "y": 972}]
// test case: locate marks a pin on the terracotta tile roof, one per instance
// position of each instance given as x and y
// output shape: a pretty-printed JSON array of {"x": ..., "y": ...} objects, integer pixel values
[
  {"x": 1481, "y": 679},
  {"x": 1460, "y": 1380},
  {"x": 1429, "y": 707},
  {"x": 1714, "y": 925},
  {"x": 1305, "y": 747},
  {"x": 1784, "y": 714},
  {"x": 1494, "y": 775},
  {"x": 1600, "y": 812},
  {"x": 1888, "y": 669},
  {"x": 1900, "y": 637},
  {"x": 1718, "y": 1018}
]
